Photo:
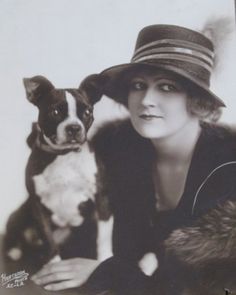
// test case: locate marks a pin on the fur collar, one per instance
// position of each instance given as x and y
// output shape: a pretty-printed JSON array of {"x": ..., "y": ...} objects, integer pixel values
[{"x": 205, "y": 253}]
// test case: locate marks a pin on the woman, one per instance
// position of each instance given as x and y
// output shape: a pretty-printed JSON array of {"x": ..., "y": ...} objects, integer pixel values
[{"x": 166, "y": 169}]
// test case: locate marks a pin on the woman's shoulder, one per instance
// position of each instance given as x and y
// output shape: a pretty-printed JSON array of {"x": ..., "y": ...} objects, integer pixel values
[
  {"x": 116, "y": 135},
  {"x": 112, "y": 128},
  {"x": 219, "y": 139},
  {"x": 220, "y": 131},
  {"x": 216, "y": 165}
]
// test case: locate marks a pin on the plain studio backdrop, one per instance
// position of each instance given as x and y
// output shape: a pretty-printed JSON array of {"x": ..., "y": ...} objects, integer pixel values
[{"x": 68, "y": 40}]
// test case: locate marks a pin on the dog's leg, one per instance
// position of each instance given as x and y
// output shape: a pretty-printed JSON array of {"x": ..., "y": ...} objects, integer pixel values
[
  {"x": 104, "y": 239},
  {"x": 44, "y": 224},
  {"x": 14, "y": 237}
]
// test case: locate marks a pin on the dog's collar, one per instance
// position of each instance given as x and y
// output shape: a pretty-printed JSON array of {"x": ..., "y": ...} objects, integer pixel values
[{"x": 42, "y": 144}]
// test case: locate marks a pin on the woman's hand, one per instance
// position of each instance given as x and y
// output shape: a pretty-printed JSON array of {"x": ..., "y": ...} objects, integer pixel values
[{"x": 65, "y": 274}]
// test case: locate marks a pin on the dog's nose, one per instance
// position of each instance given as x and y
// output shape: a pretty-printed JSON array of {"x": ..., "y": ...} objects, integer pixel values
[{"x": 73, "y": 130}]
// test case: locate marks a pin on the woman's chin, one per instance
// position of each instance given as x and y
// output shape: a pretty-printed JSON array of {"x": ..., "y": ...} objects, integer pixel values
[{"x": 151, "y": 133}]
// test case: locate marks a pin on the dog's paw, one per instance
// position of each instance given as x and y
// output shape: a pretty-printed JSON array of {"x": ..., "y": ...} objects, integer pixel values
[
  {"x": 148, "y": 264},
  {"x": 14, "y": 254},
  {"x": 32, "y": 238},
  {"x": 56, "y": 258},
  {"x": 60, "y": 235},
  {"x": 58, "y": 221}
]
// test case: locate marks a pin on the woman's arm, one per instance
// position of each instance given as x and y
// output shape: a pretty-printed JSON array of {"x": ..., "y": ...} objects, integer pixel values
[{"x": 201, "y": 258}]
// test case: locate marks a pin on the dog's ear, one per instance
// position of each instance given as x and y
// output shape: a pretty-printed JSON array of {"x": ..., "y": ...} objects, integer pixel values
[
  {"x": 36, "y": 87},
  {"x": 31, "y": 139},
  {"x": 93, "y": 86}
]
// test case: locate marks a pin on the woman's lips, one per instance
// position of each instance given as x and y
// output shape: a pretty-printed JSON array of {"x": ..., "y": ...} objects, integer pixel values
[{"x": 149, "y": 117}]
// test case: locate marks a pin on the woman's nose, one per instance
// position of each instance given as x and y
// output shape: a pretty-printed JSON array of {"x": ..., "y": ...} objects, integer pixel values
[{"x": 150, "y": 98}]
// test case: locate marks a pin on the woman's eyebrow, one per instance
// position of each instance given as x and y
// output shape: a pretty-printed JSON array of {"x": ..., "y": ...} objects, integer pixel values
[
  {"x": 137, "y": 77},
  {"x": 158, "y": 78}
]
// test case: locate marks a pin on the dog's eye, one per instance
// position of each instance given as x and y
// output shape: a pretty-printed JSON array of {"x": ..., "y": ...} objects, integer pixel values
[
  {"x": 55, "y": 114},
  {"x": 87, "y": 112}
]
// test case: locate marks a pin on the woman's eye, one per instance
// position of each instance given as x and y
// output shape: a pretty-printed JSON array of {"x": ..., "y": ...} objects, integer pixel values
[
  {"x": 136, "y": 85},
  {"x": 167, "y": 87}
]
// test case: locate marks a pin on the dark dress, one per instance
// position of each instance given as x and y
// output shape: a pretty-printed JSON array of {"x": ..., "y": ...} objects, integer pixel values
[{"x": 126, "y": 162}]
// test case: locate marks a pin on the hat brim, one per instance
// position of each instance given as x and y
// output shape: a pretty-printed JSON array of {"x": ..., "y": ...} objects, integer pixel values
[{"x": 116, "y": 75}]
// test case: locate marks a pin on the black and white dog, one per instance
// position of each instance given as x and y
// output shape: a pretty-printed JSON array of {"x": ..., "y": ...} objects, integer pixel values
[{"x": 58, "y": 218}]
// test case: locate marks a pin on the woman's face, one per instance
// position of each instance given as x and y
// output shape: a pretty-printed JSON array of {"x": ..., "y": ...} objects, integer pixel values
[{"x": 157, "y": 103}]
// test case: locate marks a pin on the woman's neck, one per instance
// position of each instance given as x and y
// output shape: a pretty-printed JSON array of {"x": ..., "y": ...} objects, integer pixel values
[{"x": 178, "y": 148}]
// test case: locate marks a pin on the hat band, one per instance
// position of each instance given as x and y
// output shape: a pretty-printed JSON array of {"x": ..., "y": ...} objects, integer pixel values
[
  {"x": 178, "y": 50},
  {"x": 177, "y": 43},
  {"x": 174, "y": 56}
]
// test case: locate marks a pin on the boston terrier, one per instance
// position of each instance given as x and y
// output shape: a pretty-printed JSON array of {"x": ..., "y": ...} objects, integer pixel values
[{"x": 58, "y": 218}]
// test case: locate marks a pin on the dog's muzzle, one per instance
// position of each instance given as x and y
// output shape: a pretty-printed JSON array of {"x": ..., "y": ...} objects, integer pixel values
[{"x": 75, "y": 134}]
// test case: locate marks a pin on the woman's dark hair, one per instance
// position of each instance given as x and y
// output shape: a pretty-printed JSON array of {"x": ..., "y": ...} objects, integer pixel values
[{"x": 202, "y": 107}]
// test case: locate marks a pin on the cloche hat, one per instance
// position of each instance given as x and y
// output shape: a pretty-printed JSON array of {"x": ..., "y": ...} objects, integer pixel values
[{"x": 184, "y": 52}]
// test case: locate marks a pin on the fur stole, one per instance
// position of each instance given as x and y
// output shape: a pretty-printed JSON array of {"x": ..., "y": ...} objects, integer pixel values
[{"x": 205, "y": 254}]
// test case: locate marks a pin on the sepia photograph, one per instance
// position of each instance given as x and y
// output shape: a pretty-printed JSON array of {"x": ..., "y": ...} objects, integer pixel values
[{"x": 118, "y": 147}]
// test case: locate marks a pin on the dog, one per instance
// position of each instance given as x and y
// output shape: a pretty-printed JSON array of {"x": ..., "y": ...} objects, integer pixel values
[{"x": 58, "y": 219}]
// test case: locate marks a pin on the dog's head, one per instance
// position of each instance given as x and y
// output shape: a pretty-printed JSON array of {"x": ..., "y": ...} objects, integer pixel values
[{"x": 65, "y": 115}]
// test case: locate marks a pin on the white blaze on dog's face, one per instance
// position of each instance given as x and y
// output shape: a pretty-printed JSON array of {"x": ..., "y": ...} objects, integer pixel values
[{"x": 72, "y": 129}]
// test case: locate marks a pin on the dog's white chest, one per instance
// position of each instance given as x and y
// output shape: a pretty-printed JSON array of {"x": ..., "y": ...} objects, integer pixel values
[{"x": 65, "y": 183}]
